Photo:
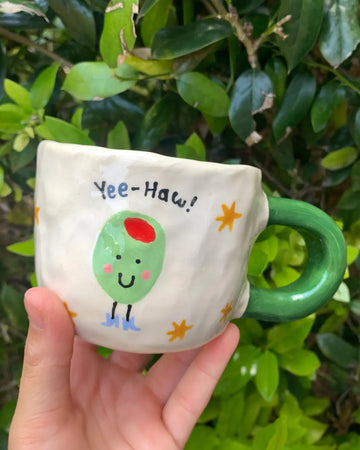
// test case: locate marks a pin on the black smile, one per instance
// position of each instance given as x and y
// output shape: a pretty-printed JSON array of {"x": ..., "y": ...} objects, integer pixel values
[{"x": 126, "y": 285}]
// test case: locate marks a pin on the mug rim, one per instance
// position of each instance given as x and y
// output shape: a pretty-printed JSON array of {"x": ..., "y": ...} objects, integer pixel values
[{"x": 146, "y": 156}]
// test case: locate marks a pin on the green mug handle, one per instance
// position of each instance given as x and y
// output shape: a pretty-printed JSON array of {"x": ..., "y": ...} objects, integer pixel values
[{"x": 324, "y": 271}]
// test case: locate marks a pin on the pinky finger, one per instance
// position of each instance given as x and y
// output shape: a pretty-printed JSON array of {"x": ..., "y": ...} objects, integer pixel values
[{"x": 192, "y": 394}]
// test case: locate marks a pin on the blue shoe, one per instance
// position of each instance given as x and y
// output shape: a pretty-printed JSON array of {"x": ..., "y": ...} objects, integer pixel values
[
  {"x": 111, "y": 322},
  {"x": 129, "y": 324}
]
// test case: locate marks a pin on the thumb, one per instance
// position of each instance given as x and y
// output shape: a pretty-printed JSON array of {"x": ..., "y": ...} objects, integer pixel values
[{"x": 45, "y": 381}]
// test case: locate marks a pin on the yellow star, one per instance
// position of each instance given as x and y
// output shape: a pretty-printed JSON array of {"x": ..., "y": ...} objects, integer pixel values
[
  {"x": 179, "y": 330},
  {"x": 229, "y": 216},
  {"x": 36, "y": 213},
  {"x": 72, "y": 314},
  {"x": 226, "y": 311}
]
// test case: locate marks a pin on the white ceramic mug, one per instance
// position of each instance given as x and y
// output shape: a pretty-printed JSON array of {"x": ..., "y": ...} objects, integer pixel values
[{"x": 150, "y": 252}]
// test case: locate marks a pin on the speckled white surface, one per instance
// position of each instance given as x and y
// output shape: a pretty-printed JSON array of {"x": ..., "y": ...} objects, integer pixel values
[{"x": 204, "y": 269}]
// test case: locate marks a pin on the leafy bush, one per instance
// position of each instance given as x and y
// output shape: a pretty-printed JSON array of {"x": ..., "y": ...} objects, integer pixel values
[{"x": 262, "y": 82}]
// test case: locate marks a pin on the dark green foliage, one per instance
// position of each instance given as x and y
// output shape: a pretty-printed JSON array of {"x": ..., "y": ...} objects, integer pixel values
[{"x": 261, "y": 82}]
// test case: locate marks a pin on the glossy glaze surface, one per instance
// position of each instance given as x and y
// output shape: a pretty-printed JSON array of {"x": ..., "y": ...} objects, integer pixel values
[{"x": 324, "y": 270}]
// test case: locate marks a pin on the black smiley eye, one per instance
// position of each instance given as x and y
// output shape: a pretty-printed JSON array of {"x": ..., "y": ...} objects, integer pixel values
[
  {"x": 118, "y": 256},
  {"x": 138, "y": 261}
]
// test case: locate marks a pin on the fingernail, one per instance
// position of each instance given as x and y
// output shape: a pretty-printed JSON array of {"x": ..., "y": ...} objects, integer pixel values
[{"x": 34, "y": 312}]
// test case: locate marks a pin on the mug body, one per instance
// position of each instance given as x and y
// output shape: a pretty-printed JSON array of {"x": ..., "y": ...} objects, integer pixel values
[{"x": 148, "y": 252}]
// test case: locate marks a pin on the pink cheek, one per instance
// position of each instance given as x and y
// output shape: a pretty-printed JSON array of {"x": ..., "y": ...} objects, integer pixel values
[
  {"x": 107, "y": 268},
  {"x": 145, "y": 275}
]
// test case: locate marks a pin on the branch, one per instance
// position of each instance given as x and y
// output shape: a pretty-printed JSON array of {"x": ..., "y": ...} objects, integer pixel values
[
  {"x": 250, "y": 44},
  {"x": 276, "y": 29},
  {"x": 340, "y": 77},
  {"x": 30, "y": 44},
  {"x": 233, "y": 17}
]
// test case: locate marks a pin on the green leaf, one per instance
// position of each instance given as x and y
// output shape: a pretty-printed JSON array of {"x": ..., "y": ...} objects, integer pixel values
[
  {"x": 24, "y": 248},
  {"x": 258, "y": 261},
  {"x": 355, "y": 177},
  {"x": 352, "y": 442},
  {"x": 252, "y": 94},
  {"x": 276, "y": 70},
  {"x": 232, "y": 444},
  {"x": 216, "y": 124},
  {"x": 337, "y": 350},
  {"x": 340, "y": 32},
  {"x": 76, "y": 118},
  {"x": 12, "y": 302},
  {"x": 88, "y": 80},
  {"x": 33, "y": 280},
  {"x": 286, "y": 337},
  {"x": 5, "y": 190},
  {"x": 356, "y": 415},
  {"x": 283, "y": 153},
  {"x": 118, "y": 137},
  {"x": 352, "y": 254},
  {"x": 211, "y": 411},
  {"x": 328, "y": 99},
  {"x": 342, "y": 294},
  {"x": 240, "y": 369},
  {"x": 20, "y": 214},
  {"x": 173, "y": 42},
  {"x": 43, "y": 86},
  {"x": 151, "y": 67},
  {"x": 194, "y": 148},
  {"x": 357, "y": 127},
  {"x": 299, "y": 362},
  {"x": 202, "y": 437},
  {"x": 315, "y": 430},
  {"x": 349, "y": 201},
  {"x": 280, "y": 435},
  {"x": 154, "y": 125},
  {"x": 302, "y": 30},
  {"x": 284, "y": 275},
  {"x": 339, "y": 159},
  {"x": 145, "y": 8},
  {"x": 230, "y": 414},
  {"x": 15, "y": 6},
  {"x": 18, "y": 94},
  {"x": 6, "y": 415},
  {"x": 65, "y": 132},
  {"x": 251, "y": 330},
  {"x": 104, "y": 351},
  {"x": 43, "y": 131},
  {"x": 245, "y": 6},
  {"x": 267, "y": 375},
  {"x": 297, "y": 101},
  {"x": 111, "y": 110},
  {"x": 23, "y": 21},
  {"x": 355, "y": 307},
  {"x": 273, "y": 436},
  {"x": 3, "y": 69},
  {"x": 31, "y": 183},
  {"x": 154, "y": 20},
  {"x": 20, "y": 142},
  {"x": 78, "y": 20},
  {"x": 313, "y": 406},
  {"x": 1, "y": 177},
  {"x": 270, "y": 246},
  {"x": 203, "y": 94},
  {"x": 118, "y": 35},
  {"x": 11, "y": 118}
]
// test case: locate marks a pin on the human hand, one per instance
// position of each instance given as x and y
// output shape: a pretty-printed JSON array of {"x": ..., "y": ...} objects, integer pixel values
[{"x": 72, "y": 398}]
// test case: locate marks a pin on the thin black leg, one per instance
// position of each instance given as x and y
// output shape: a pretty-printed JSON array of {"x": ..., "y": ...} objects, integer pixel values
[
  {"x": 128, "y": 313},
  {"x": 113, "y": 310}
]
